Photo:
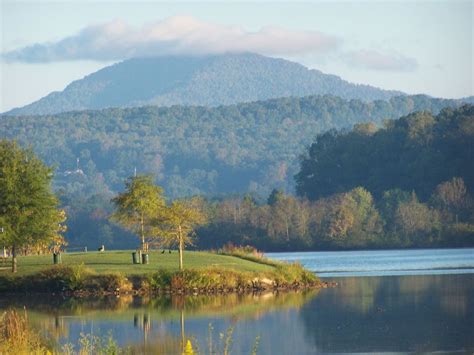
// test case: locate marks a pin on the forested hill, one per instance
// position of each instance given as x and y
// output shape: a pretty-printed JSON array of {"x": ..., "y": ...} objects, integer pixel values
[
  {"x": 407, "y": 184},
  {"x": 414, "y": 153},
  {"x": 195, "y": 150},
  {"x": 207, "y": 81}
]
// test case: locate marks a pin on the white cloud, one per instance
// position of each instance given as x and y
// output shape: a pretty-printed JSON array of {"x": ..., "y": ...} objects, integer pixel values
[
  {"x": 376, "y": 60},
  {"x": 175, "y": 35}
]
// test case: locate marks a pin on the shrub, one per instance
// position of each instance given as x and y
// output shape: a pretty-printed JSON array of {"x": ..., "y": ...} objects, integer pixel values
[
  {"x": 286, "y": 274},
  {"x": 108, "y": 282},
  {"x": 160, "y": 280},
  {"x": 58, "y": 278}
]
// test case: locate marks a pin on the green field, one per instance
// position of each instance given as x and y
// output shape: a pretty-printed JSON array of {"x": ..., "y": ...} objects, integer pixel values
[{"x": 121, "y": 261}]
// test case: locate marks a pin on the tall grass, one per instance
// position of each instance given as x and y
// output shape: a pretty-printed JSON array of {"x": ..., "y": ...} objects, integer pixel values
[
  {"x": 247, "y": 253},
  {"x": 16, "y": 336}
]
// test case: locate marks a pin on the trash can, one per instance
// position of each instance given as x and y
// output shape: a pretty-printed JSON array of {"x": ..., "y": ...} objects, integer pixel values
[
  {"x": 135, "y": 258},
  {"x": 57, "y": 258},
  {"x": 144, "y": 258}
]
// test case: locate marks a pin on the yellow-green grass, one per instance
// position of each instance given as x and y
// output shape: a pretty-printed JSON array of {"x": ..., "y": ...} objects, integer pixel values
[{"x": 121, "y": 261}]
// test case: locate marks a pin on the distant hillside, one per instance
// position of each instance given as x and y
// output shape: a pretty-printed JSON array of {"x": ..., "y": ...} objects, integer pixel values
[
  {"x": 196, "y": 150},
  {"x": 468, "y": 100},
  {"x": 202, "y": 81}
]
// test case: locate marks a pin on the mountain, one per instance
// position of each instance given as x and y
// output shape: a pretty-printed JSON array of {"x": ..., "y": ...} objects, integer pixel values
[{"x": 201, "y": 81}]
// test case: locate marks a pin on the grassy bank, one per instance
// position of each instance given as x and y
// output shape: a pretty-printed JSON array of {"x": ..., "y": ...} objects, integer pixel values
[
  {"x": 121, "y": 261},
  {"x": 113, "y": 272}
]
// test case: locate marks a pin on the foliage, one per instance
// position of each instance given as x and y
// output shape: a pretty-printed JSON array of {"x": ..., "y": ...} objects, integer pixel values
[
  {"x": 138, "y": 206},
  {"x": 178, "y": 222},
  {"x": 249, "y": 147},
  {"x": 416, "y": 152},
  {"x": 206, "y": 279},
  {"x": 349, "y": 220},
  {"x": 195, "y": 150},
  {"x": 17, "y": 337},
  {"x": 28, "y": 208}
]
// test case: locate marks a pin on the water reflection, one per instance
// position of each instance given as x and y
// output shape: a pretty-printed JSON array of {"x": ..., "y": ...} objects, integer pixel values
[
  {"x": 157, "y": 324},
  {"x": 398, "y": 313},
  {"x": 364, "y": 314}
]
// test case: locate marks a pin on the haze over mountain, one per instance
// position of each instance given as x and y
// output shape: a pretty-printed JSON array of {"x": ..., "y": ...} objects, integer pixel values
[{"x": 204, "y": 81}]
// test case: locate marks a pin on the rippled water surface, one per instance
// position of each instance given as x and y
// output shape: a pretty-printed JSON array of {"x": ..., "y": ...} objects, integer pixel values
[{"x": 399, "y": 314}]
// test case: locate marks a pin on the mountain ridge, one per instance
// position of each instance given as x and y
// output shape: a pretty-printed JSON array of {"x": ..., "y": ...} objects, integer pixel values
[{"x": 211, "y": 80}]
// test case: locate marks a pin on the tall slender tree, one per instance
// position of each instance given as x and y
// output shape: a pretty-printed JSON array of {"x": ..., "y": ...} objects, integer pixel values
[
  {"x": 178, "y": 224},
  {"x": 29, "y": 211}
]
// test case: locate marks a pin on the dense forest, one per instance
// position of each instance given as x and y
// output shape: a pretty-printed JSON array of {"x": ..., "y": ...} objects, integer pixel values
[
  {"x": 346, "y": 207},
  {"x": 407, "y": 184},
  {"x": 344, "y": 179},
  {"x": 209, "y": 80},
  {"x": 415, "y": 152},
  {"x": 195, "y": 150}
]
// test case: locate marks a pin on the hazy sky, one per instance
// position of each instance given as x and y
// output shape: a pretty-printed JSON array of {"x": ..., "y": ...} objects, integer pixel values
[{"x": 412, "y": 46}]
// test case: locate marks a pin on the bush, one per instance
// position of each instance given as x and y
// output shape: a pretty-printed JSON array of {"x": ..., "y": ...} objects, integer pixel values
[
  {"x": 160, "y": 280},
  {"x": 108, "y": 283},
  {"x": 58, "y": 278},
  {"x": 287, "y": 274}
]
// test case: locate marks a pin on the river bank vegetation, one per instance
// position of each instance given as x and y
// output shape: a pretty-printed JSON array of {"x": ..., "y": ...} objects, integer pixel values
[{"x": 113, "y": 273}]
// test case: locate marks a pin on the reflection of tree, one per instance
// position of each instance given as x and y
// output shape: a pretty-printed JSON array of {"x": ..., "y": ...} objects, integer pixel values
[
  {"x": 409, "y": 313},
  {"x": 53, "y": 314}
]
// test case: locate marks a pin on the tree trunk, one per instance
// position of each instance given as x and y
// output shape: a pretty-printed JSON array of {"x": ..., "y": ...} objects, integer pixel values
[
  {"x": 142, "y": 232},
  {"x": 181, "y": 247},
  {"x": 13, "y": 259}
]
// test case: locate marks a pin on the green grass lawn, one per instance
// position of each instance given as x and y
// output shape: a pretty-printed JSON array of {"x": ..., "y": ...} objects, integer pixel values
[{"x": 121, "y": 261}]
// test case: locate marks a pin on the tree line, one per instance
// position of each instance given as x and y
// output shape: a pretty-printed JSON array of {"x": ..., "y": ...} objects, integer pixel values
[{"x": 346, "y": 220}]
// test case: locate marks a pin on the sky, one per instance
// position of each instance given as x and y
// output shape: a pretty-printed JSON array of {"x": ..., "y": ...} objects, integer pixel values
[{"x": 412, "y": 46}]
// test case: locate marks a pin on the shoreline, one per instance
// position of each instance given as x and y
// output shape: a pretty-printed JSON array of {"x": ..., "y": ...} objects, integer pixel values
[
  {"x": 178, "y": 292},
  {"x": 81, "y": 281}
]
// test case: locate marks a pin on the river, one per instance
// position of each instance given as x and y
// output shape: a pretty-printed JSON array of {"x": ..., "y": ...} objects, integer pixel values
[{"x": 395, "y": 301}]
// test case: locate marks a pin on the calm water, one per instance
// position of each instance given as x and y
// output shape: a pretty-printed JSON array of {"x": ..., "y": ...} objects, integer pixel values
[
  {"x": 431, "y": 312},
  {"x": 384, "y": 262}
]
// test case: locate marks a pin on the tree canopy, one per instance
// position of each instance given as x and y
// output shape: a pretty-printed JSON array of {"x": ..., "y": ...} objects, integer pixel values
[
  {"x": 416, "y": 152},
  {"x": 29, "y": 213},
  {"x": 138, "y": 206}
]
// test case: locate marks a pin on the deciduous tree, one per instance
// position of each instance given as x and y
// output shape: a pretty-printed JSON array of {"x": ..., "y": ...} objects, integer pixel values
[
  {"x": 28, "y": 208},
  {"x": 178, "y": 222},
  {"x": 138, "y": 206}
]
